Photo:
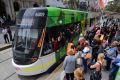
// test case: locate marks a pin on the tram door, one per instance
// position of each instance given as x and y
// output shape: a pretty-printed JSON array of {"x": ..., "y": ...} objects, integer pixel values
[{"x": 47, "y": 55}]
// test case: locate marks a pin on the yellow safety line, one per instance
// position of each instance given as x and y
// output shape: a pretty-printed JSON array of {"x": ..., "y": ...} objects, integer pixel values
[{"x": 40, "y": 66}]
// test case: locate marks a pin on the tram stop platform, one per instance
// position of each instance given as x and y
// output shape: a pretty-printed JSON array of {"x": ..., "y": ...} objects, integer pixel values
[
  {"x": 59, "y": 74},
  {"x": 5, "y": 46}
]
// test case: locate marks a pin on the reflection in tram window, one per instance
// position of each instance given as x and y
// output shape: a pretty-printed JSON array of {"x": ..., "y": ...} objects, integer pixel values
[
  {"x": 47, "y": 46},
  {"x": 27, "y": 38}
]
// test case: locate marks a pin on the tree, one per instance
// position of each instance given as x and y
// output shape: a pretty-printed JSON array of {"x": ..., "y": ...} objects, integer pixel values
[{"x": 114, "y": 6}]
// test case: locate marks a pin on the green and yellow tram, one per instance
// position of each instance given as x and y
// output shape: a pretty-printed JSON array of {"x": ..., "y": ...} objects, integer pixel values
[{"x": 41, "y": 35}]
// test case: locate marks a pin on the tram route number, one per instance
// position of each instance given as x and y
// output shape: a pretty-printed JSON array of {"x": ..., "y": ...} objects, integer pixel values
[{"x": 40, "y": 14}]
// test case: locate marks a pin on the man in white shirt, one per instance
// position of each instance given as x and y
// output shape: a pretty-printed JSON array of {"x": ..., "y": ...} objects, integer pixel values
[{"x": 4, "y": 32}]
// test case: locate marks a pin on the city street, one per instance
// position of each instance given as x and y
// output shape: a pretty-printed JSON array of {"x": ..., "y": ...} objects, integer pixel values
[
  {"x": 7, "y": 71},
  {"x": 60, "y": 39}
]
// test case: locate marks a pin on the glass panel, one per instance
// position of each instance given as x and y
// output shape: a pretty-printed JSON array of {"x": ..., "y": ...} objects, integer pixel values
[
  {"x": 27, "y": 39},
  {"x": 47, "y": 46}
]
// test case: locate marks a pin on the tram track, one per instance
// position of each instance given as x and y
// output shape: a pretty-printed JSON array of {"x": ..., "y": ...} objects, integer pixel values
[
  {"x": 5, "y": 60},
  {"x": 9, "y": 76},
  {"x": 9, "y": 49},
  {"x": 5, "y": 55}
]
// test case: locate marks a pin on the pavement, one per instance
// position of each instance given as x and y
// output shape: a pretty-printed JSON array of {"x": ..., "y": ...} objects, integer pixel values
[
  {"x": 59, "y": 74},
  {"x": 3, "y": 45}
]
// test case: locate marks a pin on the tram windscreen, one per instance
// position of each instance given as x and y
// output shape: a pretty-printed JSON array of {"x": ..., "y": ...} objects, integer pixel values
[
  {"x": 26, "y": 39},
  {"x": 27, "y": 36}
]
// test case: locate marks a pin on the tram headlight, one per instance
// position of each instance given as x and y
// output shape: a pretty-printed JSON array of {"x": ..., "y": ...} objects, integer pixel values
[
  {"x": 34, "y": 59},
  {"x": 17, "y": 68}
]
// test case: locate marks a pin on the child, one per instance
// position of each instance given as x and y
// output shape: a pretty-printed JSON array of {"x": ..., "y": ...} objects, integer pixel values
[{"x": 78, "y": 73}]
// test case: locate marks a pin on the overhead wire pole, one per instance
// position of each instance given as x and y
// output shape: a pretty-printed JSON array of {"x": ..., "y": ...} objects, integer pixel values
[{"x": 44, "y": 3}]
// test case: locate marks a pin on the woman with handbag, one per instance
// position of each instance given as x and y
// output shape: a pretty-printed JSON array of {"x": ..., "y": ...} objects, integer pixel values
[
  {"x": 97, "y": 75},
  {"x": 110, "y": 54}
]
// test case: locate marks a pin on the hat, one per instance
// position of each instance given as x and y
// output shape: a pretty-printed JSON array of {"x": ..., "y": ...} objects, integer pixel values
[{"x": 86, "y": 49}]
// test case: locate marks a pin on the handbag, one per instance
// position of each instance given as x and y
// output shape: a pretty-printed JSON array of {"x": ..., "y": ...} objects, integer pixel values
[
  {"x": 88, "y": 56},
  {"x": 96, "y": 75}
]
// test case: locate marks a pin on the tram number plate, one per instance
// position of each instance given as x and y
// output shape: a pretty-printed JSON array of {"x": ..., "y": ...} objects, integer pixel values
[{"x": 40, "y": 14}]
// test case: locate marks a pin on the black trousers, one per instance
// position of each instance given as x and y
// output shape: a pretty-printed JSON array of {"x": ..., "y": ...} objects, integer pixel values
[
  {"x": 6, "y": 38},
  {"x": 70, "y": 76},
  {"x": 112, "y": 75},
  {"x": 10, "y": 35},
  {"x": 108, "y": 63}
]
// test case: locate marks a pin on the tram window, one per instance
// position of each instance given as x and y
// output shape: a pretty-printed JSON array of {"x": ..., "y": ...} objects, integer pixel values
[
  {"x": 20, "y": 16},
  {"x": 58, "y": 37},
  {"x": 47, "y": 45},
  {"x": 61, "y": 38}
]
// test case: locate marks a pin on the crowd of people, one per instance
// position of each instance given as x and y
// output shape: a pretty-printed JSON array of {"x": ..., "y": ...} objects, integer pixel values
[{"x": 98, "y": 50}]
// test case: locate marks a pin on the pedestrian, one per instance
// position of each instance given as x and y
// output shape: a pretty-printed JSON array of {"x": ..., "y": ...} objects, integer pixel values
[
  {"x": 112, "y": 33},
  {"x": 86, "y": 44},
  {"x": 4, "y": 32},
  {"x": 115, "y": 65},
  {"x": 110, "y": 54},
  {"x": 81, "y": 42},
  {"x": 73, "y": 47},
  {"x": 117, "y": 35},
  {"x": 79, "y": 74},
  {"x": 55, "y": 43},
  {"x": 95, "y": 48},
  {"x": 86, "y": 55},
  {"x": 70, "y": 43},
  {"x": 69, "y": 65},
  {"x": 78, "y": 57},
  {"x": 91, "y": 36},
  {"x": 9, "y": 32},
  {"x": 97, "y": 75}
]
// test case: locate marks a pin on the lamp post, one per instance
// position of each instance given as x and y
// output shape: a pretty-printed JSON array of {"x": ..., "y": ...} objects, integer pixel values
[{"x": 44, "y": 2}]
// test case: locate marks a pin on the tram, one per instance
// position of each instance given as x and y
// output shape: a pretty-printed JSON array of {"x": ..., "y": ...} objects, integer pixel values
[{"x": 41, "y": 36}]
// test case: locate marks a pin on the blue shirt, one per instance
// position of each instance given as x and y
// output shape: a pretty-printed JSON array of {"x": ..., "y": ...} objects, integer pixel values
[
  {"x": 111, "y": 52},
  {"x": 69, "y": 64}
]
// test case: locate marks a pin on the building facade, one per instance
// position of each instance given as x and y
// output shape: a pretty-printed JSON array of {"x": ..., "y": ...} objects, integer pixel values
[
  {"x": 55, "y": 3},
  {"x": 8, "y": 6}
]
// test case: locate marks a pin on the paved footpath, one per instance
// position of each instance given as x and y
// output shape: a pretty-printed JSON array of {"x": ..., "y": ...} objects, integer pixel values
[{"x": 60, "y": 75}]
